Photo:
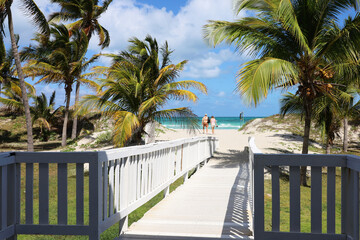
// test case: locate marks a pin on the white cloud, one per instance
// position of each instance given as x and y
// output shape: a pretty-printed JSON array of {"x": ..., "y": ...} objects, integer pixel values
[
  {"x": 127, "y": 18},
  {"x": 221, "y": 94}
]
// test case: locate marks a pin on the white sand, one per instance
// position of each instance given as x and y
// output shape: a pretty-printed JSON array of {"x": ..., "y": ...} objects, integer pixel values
[{"x": 267, "y": 142}]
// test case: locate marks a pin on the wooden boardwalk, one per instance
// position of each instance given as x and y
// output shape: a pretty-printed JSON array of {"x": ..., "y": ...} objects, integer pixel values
[{"x": 212, "y": 204}]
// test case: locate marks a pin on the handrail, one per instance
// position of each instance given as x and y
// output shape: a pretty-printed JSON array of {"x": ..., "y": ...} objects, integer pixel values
[
  {"x": 120, "y": 181},
  {"x": 350, "y": 167}
]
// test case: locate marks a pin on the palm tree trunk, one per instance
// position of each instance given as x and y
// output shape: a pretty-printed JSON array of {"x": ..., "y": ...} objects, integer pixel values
[
  {"x": 30, "y": 141},
  {"x": 305, "y": 149},
  {"x": 66, "y": 117},
  {"x": 75, "y": 119},
  {"x": 345, "y": 144},
  {"x": 328, "y": 147}
]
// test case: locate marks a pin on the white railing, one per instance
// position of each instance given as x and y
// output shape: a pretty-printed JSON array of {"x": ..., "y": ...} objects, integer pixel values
[
  {"x": 120, "y": 181},
  {"x": 350, "y": 167}
]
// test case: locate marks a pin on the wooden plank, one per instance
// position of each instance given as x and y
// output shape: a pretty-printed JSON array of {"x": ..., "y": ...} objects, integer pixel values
[
  {"x": 44, "y": 193},
  {"x": 294, "y": 199},
  {"x": 355, "y": 206},
  {"x": 117, "y": 184},
  {"x": 8, "y": 233},
  {"x": 316, "y": 160},
  {"x": 353, "y": 162},
  {"x": 4, "y": 197},
  {"x": 56, "y": 157},
  {"x": 62, "y": 194},
  {"x": 95, "y": 197},
  {"x": 316, "y": 200},
  {"x": 275, "y": 186},
  {"x": 331, "y": 188},
  {"x": 138, "y": 179},
  {"x": 258, "y": 199},
  {"x": 105, "y": 188},
  {"x": 29, "y": 193},
  {"x": 53, "y": 229},
  {"x": 111, "y": 188},
  {"x": 18, "y": 192},
  {"x": 302, "y": 236},
  {"x": 80, "y": 194},
  {"x": 12, "y": 191},
  {"x": 344, "y": 199}
]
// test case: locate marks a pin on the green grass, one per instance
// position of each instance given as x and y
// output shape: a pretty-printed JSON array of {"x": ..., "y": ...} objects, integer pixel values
[
  {"x": 111, "y": 233},
  {"x": 305, "y": 200}
]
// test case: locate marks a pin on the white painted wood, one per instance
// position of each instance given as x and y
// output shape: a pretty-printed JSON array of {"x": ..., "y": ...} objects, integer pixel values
[
  {"x": 117, "y": 185},
  {"x": 111, "y": 188},
  {"x": 105, "y": 188}
]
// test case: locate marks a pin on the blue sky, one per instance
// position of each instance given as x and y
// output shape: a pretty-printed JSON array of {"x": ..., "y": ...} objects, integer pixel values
[{"x": 180, "y": 23}]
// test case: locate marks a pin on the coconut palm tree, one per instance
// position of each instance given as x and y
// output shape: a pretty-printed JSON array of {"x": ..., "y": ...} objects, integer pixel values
[
  {"x": 85, "y": 13},
  {"x": 138, "y": 85},
  {"x": 39, "y": 19},
  {"x": 299, "y": 43},
  {"x": 83, "y": 79},
  {"x": 58, "y": 61},
  {"x": 43, "y": 113}
]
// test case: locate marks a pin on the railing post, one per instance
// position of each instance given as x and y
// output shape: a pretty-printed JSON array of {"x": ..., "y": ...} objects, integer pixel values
[
  {"x": 258, "y": 197},
  {"x": 95, "y": 196}
]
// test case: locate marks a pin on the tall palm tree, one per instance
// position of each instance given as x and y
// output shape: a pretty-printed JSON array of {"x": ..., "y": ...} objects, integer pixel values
[
  {"x": 40, "y": 21},
  {"x": 58, "y": 61},
  {"x": 299, "y": 43},
  {"x": 85, "y": 13},
  {"x": 138, "y": 85},
  {"x": 83, "y": 79}
]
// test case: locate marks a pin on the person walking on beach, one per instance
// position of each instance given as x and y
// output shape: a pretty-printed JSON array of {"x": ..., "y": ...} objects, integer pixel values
[
  {"x": 205, "y": 123},
  {"x": 213, "y": 124}
]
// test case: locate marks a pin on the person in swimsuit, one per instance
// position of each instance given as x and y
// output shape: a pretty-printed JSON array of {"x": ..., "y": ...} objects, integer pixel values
[
  {"x": 205, "y": 123},
  {"x": 213, "y": 123}
]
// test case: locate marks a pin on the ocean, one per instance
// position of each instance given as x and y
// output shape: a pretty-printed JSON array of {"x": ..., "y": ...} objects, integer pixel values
[{"x": 222, "y": 122}]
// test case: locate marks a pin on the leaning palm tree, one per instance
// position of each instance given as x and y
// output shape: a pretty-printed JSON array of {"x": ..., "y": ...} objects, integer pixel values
[
  {"x": 57, "y": 61},
  {"x": 137, "y": 88},
  {"x": 85, "y": 13},
  {"x": 299, "y": 43},
  {"x": 40, "y": 20}
]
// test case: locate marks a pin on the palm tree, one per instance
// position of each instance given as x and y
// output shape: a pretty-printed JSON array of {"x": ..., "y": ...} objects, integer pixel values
[
  {"x": 326, "y": 114},
  {"x": 43, "y": 113},
  {"x": 85, "y": 13},
  {"x": 137, "y": 87},
  {"x": 58, "y": 61},
  {"x": 40, "y": 20},
  {"x": 12, "y": 97},
  {"x": 83, "y": 79},
  {"x": 298, "y": 43}
]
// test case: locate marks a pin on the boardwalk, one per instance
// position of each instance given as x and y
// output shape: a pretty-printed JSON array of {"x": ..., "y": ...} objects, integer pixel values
[{"x": 212, "y": 204}]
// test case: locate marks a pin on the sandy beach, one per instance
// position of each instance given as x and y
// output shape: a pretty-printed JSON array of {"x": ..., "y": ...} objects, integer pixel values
[{"x": 267, "y": 142}]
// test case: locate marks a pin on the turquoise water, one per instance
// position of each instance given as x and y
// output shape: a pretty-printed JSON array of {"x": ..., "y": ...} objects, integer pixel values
[{"x": 222, "y": 122}]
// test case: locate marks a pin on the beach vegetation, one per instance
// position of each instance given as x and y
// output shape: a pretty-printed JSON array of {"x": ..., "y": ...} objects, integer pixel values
[
  {"x": 136, "y": 87},
  {"x": 58, "y": 60},
  {"x": 31, "y": 9},
  {"x": 295, "y": 43}
]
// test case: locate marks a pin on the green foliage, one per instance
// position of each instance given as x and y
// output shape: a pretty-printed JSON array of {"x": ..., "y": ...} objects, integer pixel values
[{"x": 137, "y": 86}]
